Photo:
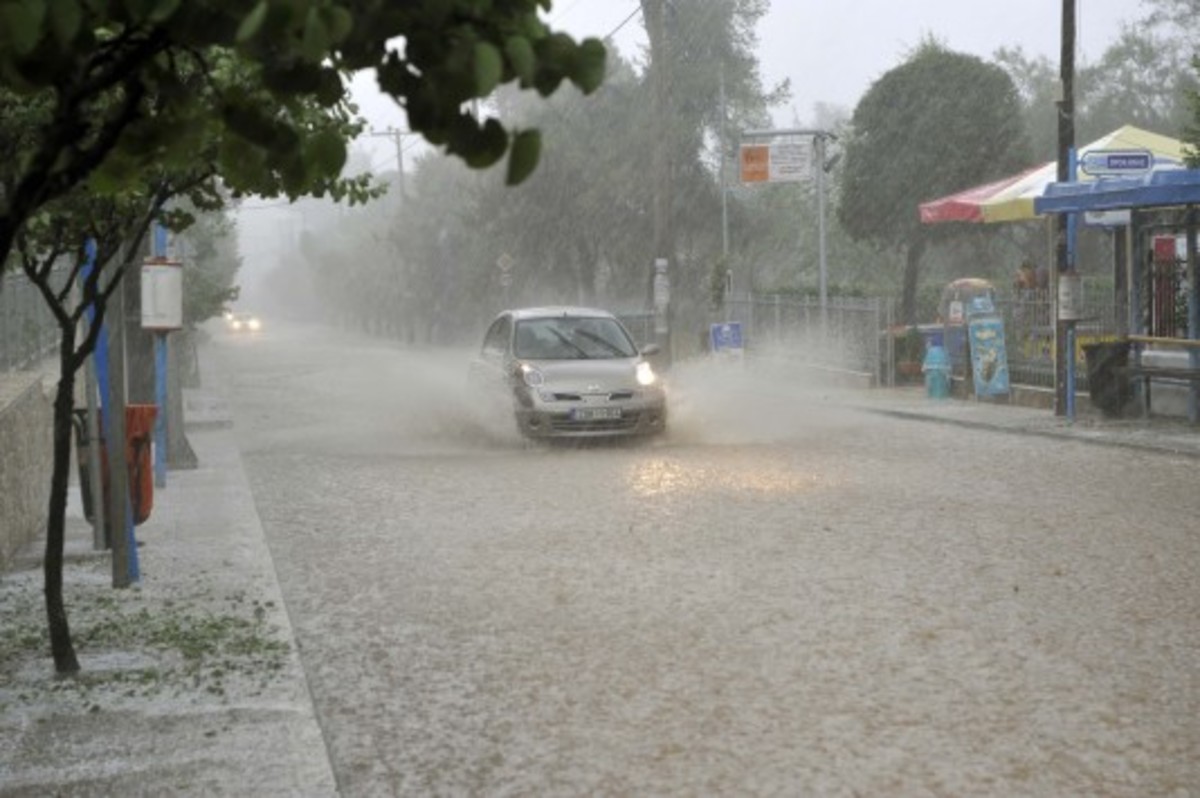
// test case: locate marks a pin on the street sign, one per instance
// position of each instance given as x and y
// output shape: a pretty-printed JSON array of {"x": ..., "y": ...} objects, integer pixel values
[
  {"x": 1116, "y": 162},
  {"x": 776, "y": 162},
  {"x": 726, "y": 338}
]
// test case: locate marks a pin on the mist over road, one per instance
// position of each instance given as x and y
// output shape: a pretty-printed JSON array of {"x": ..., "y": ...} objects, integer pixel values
[{"x": 784, "y": 595}]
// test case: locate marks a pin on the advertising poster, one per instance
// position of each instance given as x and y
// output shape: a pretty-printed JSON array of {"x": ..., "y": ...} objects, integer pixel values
[{"x": 989, "y": 361}]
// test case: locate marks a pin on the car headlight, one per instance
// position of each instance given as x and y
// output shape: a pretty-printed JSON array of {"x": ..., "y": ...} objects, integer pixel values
[
  {"x": 532, "y": 377},
  {"x": 645, "y": 374},
  {"x": 254, "y": 324},
  {"x": 235, "y": 324}
]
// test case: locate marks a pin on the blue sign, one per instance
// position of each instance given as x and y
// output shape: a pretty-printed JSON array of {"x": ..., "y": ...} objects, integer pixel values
[
  {"x": 1116, "y": 162},
  {"x": 989, "y": 359},
  {"x": 726, "y": 337}
]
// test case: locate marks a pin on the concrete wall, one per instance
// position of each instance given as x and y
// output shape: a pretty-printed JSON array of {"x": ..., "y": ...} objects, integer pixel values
[{"x": 26, "y": 455}]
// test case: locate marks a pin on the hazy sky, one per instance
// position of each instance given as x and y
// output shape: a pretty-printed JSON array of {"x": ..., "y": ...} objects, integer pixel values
[{"x": 832, "y": 50}]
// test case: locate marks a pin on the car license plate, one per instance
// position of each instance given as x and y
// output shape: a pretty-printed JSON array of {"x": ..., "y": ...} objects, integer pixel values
[{"x": 595, "y": 413}]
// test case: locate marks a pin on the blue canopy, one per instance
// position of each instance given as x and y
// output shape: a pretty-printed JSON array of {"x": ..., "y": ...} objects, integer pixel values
[{"x": 1166, "y": 188}]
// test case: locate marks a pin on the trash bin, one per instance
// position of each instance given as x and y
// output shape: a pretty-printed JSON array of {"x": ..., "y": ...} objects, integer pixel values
[
  {"x": 937, "y": 373},
  {"x": 1110, "y": 391},
  {"x": 139, "y": 433}
]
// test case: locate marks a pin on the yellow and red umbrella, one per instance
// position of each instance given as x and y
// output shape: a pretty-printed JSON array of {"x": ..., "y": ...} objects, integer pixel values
[{"x": 1011, "y": 199}]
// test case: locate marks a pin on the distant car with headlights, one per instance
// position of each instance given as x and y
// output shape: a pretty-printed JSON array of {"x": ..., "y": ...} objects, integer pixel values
[
  {"x": 243, "y": 322},
  {"x": 571, "y": 372}
]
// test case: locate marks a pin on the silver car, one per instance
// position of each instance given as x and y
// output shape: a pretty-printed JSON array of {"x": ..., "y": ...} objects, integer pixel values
[{"x": 571, "y": 372}]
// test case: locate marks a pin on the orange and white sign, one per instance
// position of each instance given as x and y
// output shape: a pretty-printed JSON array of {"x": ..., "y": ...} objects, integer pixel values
[
  {"x": 755, "y": 161},
  {"x": 775, "y": 162}
]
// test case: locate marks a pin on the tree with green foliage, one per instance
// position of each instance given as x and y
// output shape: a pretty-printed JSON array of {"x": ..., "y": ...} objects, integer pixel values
[
  {"x": 114, "y": 109},
  {"x": 938, "y": 123},
  {"x": 119, "y": 79}
]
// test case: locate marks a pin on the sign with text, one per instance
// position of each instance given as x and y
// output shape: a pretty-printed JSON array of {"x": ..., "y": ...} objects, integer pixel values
[
  {"x": 1116, "y": 162},
  {"x": 776, "y": 162},
  {"x": 162, "y": 295}
]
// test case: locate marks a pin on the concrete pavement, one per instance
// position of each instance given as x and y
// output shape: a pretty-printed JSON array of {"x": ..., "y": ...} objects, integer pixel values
[{"x": 192, "y": 682}]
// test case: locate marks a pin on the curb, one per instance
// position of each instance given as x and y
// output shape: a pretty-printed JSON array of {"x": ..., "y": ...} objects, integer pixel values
[{"x": 1096, "y": 440}]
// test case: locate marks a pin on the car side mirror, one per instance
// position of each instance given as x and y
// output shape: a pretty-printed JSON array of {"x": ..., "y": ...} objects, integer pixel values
[{"x": 651, "y": 349}]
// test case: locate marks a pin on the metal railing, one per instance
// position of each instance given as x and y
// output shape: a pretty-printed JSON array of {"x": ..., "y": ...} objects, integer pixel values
[
  {"x": 844, "y": 336},
  {"x": 1029, "y": 333},
  {"x": 28, "y": 331}
]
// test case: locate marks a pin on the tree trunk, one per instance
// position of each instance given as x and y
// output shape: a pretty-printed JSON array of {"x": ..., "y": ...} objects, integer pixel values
[
  {"x": 61, "y": 647},
  {"x": 912, "y": 270}
]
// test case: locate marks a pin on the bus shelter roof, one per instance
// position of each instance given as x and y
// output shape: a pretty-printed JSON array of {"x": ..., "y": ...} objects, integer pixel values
[
  {"x": 1163, "y": 189},
  {"x": 1012, "y": 199}
]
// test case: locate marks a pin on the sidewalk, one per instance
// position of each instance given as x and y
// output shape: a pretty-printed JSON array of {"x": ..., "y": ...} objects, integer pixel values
[
  {"x": 191, "y": 682},
  {"x": 1158, "y": 435}
]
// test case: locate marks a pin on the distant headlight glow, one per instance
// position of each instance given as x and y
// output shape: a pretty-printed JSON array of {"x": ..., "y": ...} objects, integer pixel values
[
  {"x": 254, "y": 324},
  {"x": 645, "y": 374}
]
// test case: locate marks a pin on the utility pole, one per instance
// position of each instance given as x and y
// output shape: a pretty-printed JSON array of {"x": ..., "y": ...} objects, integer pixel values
[
  {"x": 822, "y": 265},
  {"x": 125, "y": 570},
  {"x": 1064, "y": 265},
  {"x": 724, "y": 174},
  {"x": 398, "y": 137},
  {"x": 654, "y": 13}
]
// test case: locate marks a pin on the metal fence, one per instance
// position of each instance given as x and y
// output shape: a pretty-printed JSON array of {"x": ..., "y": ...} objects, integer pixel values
[
  {"x": 1029, "y": 333},
  {"x": 846, "y": 336},
  {"x": 28, "y": 331}
]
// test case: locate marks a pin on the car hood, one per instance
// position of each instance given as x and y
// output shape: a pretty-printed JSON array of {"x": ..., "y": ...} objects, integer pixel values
[{"x": 587, "y": 376}]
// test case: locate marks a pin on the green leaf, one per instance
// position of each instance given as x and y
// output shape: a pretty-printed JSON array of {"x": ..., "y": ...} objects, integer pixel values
[
  {"x": 520, "y": 56},
  {"x": 588, "y": 69},
  {"x": 163, "y": 10},
  {"x": 479, "y": 147},
  {"x": 488, "y": 68},
  {"x": 523, "y": 158},
  {"x": 65, "y": 18},
  {"x": 252, "y": 22},
  {"x": 328, "y": 150},
  {"x": 315, "y": 42},
  {"x": 22, "y": 21},
  {"x": 338, "y": 22}
]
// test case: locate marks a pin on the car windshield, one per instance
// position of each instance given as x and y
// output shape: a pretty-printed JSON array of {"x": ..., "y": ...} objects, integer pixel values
[{"x": 572, "y": 338}]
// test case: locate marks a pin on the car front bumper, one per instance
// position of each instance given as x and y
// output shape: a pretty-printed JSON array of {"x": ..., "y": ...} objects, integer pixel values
[{"x": 644, "y": 413}]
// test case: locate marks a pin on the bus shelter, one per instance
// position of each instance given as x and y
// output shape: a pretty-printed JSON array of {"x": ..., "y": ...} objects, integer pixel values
[{"x": 1161, "y": 263}]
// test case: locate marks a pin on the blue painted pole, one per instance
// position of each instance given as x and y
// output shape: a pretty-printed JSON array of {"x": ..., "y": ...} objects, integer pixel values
[
  {"x": 160, "y": 380},
  {"x": 160, "y": 418}
]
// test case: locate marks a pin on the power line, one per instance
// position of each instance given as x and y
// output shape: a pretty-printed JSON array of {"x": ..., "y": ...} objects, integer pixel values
[{"x": 624, "y": 22}]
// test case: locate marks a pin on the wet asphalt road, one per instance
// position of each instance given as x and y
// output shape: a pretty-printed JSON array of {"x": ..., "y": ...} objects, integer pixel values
[{"x": 784, "y": 596}]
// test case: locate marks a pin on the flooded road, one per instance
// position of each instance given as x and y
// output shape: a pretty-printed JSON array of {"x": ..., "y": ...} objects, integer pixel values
[{"x": 784, "y": 595}]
